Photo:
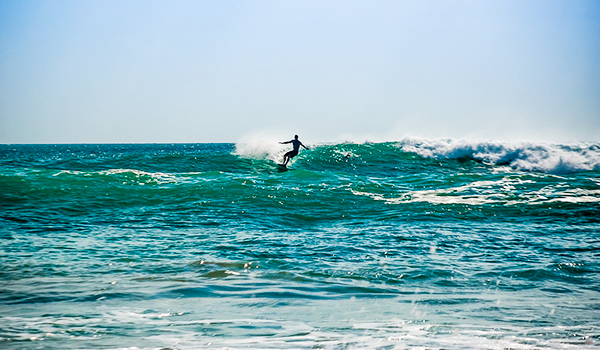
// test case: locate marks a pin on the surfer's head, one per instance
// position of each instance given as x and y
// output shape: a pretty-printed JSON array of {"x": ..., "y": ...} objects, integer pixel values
[{"x": 296, "y": 137}]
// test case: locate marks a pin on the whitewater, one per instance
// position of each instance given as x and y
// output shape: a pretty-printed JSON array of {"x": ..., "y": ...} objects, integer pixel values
[{"x": 411, "y": 244}]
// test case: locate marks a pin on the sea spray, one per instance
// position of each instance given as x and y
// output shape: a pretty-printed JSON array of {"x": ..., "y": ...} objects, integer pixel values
[{"x": 260, "y": 147}]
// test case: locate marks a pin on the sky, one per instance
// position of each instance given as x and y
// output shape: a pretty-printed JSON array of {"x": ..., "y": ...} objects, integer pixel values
[{"x": 130, "y": 71}]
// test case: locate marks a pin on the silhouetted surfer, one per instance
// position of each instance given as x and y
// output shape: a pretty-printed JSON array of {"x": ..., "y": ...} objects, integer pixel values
[{"x": 294, "y": 152}]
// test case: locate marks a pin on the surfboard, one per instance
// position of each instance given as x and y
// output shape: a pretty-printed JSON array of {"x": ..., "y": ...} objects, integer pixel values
[{"x": 281, "y": 167}]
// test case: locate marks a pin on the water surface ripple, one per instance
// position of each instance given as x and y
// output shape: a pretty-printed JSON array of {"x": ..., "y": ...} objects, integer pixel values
[{"x": 410, "y": 244}]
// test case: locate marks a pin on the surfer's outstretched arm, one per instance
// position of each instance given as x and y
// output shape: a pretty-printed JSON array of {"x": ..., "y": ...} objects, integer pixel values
[
  {"x": 304, "y": 146},
  {"x": 284, "y": 142}
]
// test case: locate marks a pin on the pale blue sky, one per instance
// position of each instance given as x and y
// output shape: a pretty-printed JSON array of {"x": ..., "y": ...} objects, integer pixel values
[{"x": 217, "y": 71}]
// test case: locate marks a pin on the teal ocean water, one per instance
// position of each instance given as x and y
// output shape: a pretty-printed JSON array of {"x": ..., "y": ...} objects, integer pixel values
[{"x": 415, "y": 244}]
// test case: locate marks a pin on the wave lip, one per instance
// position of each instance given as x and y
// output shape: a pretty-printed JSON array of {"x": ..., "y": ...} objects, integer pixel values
[{"x": 524, "y": 156}]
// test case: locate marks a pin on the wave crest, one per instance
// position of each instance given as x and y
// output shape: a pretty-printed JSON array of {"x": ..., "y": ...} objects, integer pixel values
[{"x": 549, "y": 158}]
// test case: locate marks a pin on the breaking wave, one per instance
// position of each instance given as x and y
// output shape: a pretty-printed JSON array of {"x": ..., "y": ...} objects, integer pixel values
[{"x": 535, "y": 157}]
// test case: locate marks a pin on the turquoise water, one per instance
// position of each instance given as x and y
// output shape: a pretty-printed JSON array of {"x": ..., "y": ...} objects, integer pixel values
[{"x": 431, "y": 244}]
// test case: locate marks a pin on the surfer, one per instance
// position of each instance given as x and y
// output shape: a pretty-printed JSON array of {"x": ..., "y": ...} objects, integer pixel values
[{"x": 294, "y": 152}]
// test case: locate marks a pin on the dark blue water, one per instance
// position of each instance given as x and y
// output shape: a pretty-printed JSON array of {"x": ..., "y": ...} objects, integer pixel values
[{"x": 412, "y": 244}]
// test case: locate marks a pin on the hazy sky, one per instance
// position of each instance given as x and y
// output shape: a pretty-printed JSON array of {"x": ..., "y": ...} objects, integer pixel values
[{"x": 217, "y": 71}]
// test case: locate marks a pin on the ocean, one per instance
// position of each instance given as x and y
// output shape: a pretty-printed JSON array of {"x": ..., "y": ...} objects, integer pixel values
[{"x": 414, "y": 244}]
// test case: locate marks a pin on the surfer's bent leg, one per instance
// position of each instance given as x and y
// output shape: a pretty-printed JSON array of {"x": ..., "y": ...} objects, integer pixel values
[{"x": 288, "y": 156}]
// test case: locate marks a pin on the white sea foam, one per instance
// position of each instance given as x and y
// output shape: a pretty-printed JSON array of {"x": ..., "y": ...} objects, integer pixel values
[
  {"x": 143, "y": 176},
  {"x": 260, "y": 147},
  {"x": 180, "y": 332},
  {"x": 550, "y": 158},
  {"x": 503, "y": 192},
  {"x": 375, "y": 336},
  {"x": 140, "y": 175}
]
